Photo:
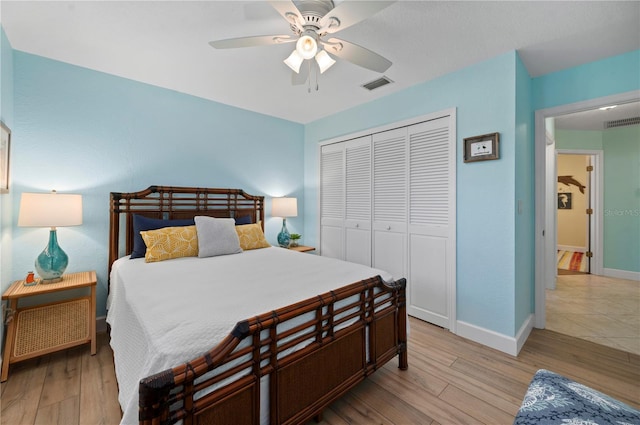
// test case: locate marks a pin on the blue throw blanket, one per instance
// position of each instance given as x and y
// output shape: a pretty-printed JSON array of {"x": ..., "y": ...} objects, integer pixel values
[{"x": 555, "y": 399}]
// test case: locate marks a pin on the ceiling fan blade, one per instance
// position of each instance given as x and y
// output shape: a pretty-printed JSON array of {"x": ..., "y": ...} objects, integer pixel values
[
  {"x": 299, "y": 78},
  {"x": 357, "y": 55},
  {"x": 290, "y": 12},
  {"x": 260, "y": 40},
  {"x": 349, "y": 13}
]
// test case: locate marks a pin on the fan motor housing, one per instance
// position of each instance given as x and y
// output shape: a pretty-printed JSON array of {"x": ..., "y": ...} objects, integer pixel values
[{"x": 313, "y": 10}]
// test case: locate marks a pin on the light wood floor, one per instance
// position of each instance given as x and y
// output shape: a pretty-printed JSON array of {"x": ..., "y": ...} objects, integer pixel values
[
  {"x": 450, "y": 381},
  {"x": 596, "y": 308}
]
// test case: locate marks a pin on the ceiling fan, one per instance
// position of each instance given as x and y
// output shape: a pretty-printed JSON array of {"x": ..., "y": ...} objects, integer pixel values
[{"x": 313, "y": 23}]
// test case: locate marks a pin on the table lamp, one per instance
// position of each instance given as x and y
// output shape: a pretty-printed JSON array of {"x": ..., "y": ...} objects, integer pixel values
[
  {"x": 284, "y": 207},
  {"x": 50, "y": 210}
]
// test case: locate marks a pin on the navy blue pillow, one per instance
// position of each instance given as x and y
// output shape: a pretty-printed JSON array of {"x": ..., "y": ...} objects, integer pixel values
[
  {"x": 245, "y": 219},
  {"x": 141, "y": 223}
]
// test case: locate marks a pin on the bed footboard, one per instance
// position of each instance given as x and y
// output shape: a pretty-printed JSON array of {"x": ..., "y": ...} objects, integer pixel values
[{"x": 292, "y": 362}]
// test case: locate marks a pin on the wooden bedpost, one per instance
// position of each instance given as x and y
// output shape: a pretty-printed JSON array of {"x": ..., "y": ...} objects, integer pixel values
[
  {"x": 114, "y": 228},
  {"x": 403, "y": 362},
  {"x": 157, "y": 391}
]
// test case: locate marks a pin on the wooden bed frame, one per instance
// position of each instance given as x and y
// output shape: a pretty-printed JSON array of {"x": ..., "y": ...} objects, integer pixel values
[{"x": 350, "y": 332}]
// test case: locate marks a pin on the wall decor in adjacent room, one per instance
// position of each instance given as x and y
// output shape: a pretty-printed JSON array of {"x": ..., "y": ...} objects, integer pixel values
[{"x": 564, "y": 200}]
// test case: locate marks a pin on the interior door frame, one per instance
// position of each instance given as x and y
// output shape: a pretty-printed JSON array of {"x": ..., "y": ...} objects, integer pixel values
[
  {"x": 545, "y": 229},
  {"x": 596, "y": 195}
]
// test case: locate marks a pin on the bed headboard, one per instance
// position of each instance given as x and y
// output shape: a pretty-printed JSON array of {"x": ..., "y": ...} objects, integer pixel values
[{"x": 169, "y": 202}]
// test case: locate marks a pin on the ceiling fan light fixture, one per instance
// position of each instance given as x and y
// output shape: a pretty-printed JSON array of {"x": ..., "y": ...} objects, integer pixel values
[
  {"x": 307, "y": 47},
  {"x": 324, "y": 61},
  {"x": 294, "y": 61}
]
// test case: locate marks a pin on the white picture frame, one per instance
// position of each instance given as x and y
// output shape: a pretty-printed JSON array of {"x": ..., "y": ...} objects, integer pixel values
[{"x": 5, "y": 149}]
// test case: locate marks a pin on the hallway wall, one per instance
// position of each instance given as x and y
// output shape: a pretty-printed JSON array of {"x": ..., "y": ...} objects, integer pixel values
[{"x": 622, "y": 199}]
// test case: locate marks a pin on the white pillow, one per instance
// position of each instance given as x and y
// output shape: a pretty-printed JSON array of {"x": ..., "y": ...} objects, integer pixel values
[{"x": 216, "y": 236}]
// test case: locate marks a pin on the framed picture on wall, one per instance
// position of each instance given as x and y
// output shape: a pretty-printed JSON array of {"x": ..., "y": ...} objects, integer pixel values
[
  {"x": 5, "y": 145},
  {"x": 482, "y": 148},
  {"x": 564, "y": 200}
]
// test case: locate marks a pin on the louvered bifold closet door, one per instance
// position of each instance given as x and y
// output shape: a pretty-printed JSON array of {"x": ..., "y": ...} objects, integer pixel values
[
  {"x": 390, "y": 201},
  {"x": 430, "y": 155},
  {"x": 357, "y": 224},
  {"x": 332, "y": 200}
]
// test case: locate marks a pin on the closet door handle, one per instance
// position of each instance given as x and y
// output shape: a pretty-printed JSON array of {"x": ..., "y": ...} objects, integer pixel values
[
  {"x": 388, "y": 227},
  {"x": 357, "y": 225}
]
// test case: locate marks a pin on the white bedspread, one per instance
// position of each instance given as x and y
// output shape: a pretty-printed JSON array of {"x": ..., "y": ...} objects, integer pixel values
[{"x": 166, "y": 313}]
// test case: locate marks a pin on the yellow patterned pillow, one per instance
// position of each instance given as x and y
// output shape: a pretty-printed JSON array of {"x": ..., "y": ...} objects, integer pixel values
[
  {"x": 170, "y": 242},
  {"x": 251, "y": 236}
]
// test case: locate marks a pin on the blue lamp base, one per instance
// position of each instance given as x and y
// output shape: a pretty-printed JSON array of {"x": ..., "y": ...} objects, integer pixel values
[
  {"x": 52, "y": 261},
  {"x": 284, "y": 237}
]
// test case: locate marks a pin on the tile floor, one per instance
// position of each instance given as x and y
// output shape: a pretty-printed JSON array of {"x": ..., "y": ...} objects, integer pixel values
[{"x": 596, "y": 308}]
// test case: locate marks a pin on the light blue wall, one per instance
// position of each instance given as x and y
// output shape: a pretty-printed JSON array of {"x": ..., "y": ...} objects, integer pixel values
[
  {"x": 82, "y": 131},
  {"x": 617, "y": 74},
  {"x": 6, "y": 79},
  {"x": 485, "y": 97},
  {"x": 6, "y": 116},
  {"x": 524, "y": 200},
  {"x": 622, "y": 198}
]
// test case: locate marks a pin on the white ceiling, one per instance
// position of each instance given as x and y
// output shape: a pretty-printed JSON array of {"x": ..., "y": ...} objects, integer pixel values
[
  {"x": 165, "y": 43},
  {"x": 596, "y": 119}
]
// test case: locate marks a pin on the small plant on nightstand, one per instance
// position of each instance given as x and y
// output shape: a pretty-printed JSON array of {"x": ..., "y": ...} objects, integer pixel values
[{"x": 294, "y": 239}]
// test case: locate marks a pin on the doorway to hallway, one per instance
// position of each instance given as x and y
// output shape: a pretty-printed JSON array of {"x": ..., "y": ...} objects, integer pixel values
[
  {"x": 577, "y": 210},
  {"x": 546, "y": 199}
]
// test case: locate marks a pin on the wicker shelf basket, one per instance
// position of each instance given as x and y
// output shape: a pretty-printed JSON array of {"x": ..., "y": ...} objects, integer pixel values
[{"x": 44, "y": 329}]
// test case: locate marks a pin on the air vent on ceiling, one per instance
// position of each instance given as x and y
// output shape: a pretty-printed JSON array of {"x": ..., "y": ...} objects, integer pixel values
[
  {"x": 382, "y": 81},
  {"x": 623, "y": 122}
]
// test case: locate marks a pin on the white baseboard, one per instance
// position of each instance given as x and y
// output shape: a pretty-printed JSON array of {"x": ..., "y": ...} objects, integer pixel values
[
  {"x": 523, "y": 333},
  {"x": 506, "y": 344},
  {"x": 572, "y": 248},
  {"x": 101, "y": 324},
  {"x": 621, "y": 274}
]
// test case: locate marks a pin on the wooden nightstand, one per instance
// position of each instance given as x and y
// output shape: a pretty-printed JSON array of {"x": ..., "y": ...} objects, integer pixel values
[
  {"x": 42, "y": 329},
  {"x": 302, "y": 248}
]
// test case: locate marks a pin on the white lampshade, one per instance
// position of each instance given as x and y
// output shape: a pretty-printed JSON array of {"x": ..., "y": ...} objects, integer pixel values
[
  {"x": 324, "y": 61},
  {"x": 306, "y": 46},
  {"x": 50, "y": 210},
  {"x": 284, "y": 207},
  {"x": 294, "y": 61}
]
